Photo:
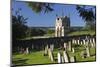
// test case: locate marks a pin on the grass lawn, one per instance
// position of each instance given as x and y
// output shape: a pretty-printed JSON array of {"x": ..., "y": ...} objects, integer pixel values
[
  {"x": 32, "y": 58},
  {"x": 69, "y": 34},
  {"x": 37, "y": 57},
  {"x": 82, "y": 33},
  {"x": 75, "y": 33}
]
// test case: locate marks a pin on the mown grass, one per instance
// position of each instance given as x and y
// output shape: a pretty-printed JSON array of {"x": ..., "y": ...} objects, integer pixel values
[
  {"x": 68, "y": 34},
  {"x": 38, "y": 57},
  {"x": 32, "y": 58},
  {"x": 82, "y": 33}
]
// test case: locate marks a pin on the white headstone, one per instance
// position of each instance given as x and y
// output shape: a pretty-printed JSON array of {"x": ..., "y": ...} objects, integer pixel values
[
  {"x": 72, "y": 59},
  {"x": 59, "y": 57},
  {"x": 78, "y": 42},
  {"x": 81, "y": 43},
  {"x": 75, "y": 41},
  {"x": 65, "y": 56},
  {"x": 73, "y": 51},
  {"x": 91, "y": 43},
  {"x": 52, "y": 47},
  {"x": 94, "y": 42},
  {"x": 62, "y": 59},
  {"x": 27, "y": 50},
  {"x": 84, "y": 42},
  {"x": 65, "y": 45},
  {"x": 46, "y": 50},
  {"x": 69, "y": 47},
  {"x": 88, "y": 51},
  {"x": 50, "y": 55}
]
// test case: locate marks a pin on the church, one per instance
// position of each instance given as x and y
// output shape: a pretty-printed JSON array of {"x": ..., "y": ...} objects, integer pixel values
[{"x": 62, "y": 26}]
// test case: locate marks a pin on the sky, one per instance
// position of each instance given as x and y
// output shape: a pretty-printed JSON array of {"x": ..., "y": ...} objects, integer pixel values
[{"x": 48, "y": 19}]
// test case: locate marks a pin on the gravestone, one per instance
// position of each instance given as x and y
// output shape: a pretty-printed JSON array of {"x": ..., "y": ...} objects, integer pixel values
[
  {"x": 27, "y": 50},
  {"x": 51, "y": 47},
  {"x": 50, "y": 55},
  {"x": 91, "y": 43},
  {"x": 65, "y": 46},
  {"x": 78, "y": 42},
  {"x": 81, "y": 43},
  {"x": 59, "y": 57},
  {"x": 75, "y": 41},
  {"x": 62, "y": 59},
  {"x": 65, "y": 55},
  {"x": 94, "y": 42},
  {"x": 46, "y": 50},
  {"x": 72, "y": 59},
  {"x": 84, "y": 42},
  {"x": 88, "y": 51},
  {"x": 73, "y": 50},
  {"x": 69, "y": 46}
]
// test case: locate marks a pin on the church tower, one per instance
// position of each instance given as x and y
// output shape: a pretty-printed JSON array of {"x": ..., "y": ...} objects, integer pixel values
[{"x": 62, "y": 26}]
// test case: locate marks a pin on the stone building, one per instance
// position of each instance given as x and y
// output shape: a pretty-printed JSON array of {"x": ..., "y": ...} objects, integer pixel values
[{"x": 62, "y": 26}]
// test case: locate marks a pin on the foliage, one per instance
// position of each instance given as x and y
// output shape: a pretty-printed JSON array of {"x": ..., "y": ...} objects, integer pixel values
[
  {"x": 20, "y": 30},
  {"x": 88, "y": 15},
  {"x": 18, "y": 26},
  {"x": 40, "y": 7},
  {"x": 50, "y": 31},
  {"x": 37, "y": 32}
]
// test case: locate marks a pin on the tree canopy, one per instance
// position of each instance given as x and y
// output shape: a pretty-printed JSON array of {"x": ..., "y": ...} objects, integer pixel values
[
  {"x": 88, "y": 15},
  {"x": 18, "y": 26},
  {"x": 40, "y": 7}
]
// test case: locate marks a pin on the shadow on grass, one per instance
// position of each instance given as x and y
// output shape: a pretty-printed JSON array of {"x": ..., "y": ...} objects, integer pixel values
[{"x": 19, "y": 61}]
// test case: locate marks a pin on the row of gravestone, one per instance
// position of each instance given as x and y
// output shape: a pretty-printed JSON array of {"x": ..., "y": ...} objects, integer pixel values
[
  {"x": 91, "y": 43},
  {"x": 64, "y": 58},
  {"x": 68, "y": 45},
  {"x": 79, "y": 41},
  {"x": 61, "y": 57}
]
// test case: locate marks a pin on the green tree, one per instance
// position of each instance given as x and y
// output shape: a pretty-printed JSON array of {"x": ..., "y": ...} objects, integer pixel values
[
  {"x": 50, "y": 31},
  {"x": 18, "y": 26},
  {"x": 88, "y": 15},
  {"x": 37, "y": 32}
]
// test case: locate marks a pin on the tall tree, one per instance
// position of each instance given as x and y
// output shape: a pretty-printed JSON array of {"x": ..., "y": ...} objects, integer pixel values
[
  {"x": 18, "y": 25},
  {"x": 88, "y": 15}
]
